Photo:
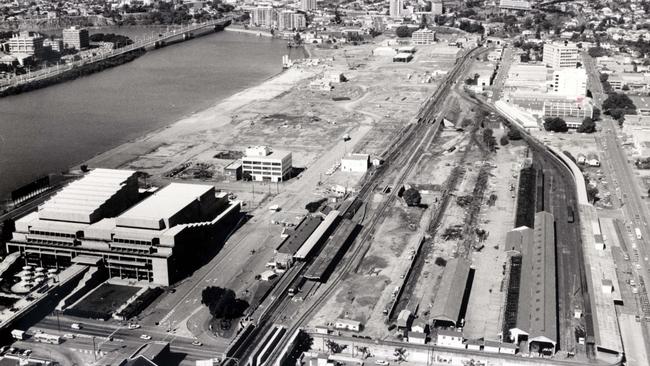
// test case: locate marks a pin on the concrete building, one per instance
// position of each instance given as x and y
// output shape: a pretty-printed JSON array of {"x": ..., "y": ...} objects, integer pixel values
[
  {"x": 515, "y": 5},
  {"x": 395, "y": 9},
  {"x": 570, "y": 82},
  {"x": 308, "y": 5},
  {"x": 449, "y": 338},
  {"x": 436, "y": 7},
  {"x": 559, "y": 55},
  {"x": 416, "y": 338},
  {"x": 27, "y": 43},
  {"x": 86, "y": 223},
  {"x": 347, "y": 324},
  {"x": 76, "y": 37},
  {"x": 233, "y": 171},
  {"x": 423, "y": 36},
  {"x": 291, "y": 20},
  {"x": 262, "y": 16},
  {"x": 355, "y": 163},
  {"x": 265, "y": 165}
]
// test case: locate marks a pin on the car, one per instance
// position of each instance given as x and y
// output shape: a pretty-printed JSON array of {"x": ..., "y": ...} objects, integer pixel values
[
  {"x": 75, "y": 326},
  {"x": 197, "y": 343},
  {"x": 382, "y": 362},
  {"x": 134, "y": 326},
  {"x": 27, "y": 352},
  {"x": 145, "y": 336},
  {"x": 68, "y": 336}
]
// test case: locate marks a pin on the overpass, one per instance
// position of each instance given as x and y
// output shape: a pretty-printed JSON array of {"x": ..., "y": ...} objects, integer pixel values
[{"x": 182, "y": 33}]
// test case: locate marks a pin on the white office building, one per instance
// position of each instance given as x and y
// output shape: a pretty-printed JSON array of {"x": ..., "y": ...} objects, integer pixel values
[
  {"x": 560, "y": 55},
  {"x": 423, "y": 36},
  {"x": 436, "y": 7},
  {"x": 308, "y": 5},
  {"x": 263, "y": 164},
  {"x": 98, "y": 221},
  {"x": 570, "y": 82},
  {"x": 395, "y": 9},
  {"x": 262, "y": 16}
]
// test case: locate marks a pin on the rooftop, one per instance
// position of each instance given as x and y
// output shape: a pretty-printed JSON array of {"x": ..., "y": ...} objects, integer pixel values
[
  {"x": 449, "y": 297},
  {"x": 537, "y": 299},
  {"x": 79, "y": 200},
  {"x": 163, "y": 204}
]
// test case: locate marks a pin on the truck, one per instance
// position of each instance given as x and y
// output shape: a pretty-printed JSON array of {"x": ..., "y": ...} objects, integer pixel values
[
  {"x": 47, "y": 338},
  {"x": 637, "y": 231},
  {"x": 18, "y": 334}
]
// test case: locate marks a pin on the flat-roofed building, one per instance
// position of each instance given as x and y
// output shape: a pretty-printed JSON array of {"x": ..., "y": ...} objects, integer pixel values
[
  {"x": 355, "y": 163},
  {"x": 307, "y": 5},
  {"x": 570, "y": 82},
  {"x": 560, "y": 55},
  {"x": 264, "y": 164},
  {"x": 515, "y": 5},
  {"x": 150, "y": 241},
  {"x": 423, "y": 36},
  {"x": 263, "y": 16},
  {"x": 27, "y": 43},
  {"x": 76, "y": 37},
  {"x": 537, "y": 310}
]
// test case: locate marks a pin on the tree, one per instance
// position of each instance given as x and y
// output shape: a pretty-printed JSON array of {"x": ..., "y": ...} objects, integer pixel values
[
  {"x": 597, "y": 52},
  {"x": 555, "y": 124},
  {"x": 588, "y": 126},
  {"x": 412, "y": 197},
  {"x": 618, "y": 101},
  {"x": 223, "y": 303},
  {"x": 400, "y": 354},
  {"x": 488, "y": 139},
  {"x": 403, "y": 31},
  {"x": 514, "y": 134},
  {"x": 504, "y": 140},
  {"x": 625, "y": 87}
]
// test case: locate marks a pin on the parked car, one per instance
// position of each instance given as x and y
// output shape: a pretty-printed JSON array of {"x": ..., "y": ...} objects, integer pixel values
[{"x": 145, "y": 336}]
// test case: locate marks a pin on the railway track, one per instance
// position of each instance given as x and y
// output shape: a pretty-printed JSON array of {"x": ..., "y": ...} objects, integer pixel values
[{"x": 406, "y": 149}]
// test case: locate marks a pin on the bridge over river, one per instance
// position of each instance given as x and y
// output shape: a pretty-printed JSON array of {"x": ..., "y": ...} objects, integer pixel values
[{"x": 180, "y": 33}]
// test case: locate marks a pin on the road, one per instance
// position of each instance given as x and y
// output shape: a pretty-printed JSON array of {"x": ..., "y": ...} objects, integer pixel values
[{"x": 616, "y": 166}]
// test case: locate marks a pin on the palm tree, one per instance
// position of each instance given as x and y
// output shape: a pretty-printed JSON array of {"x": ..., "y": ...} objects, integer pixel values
[{"x": 400, "y": 354}]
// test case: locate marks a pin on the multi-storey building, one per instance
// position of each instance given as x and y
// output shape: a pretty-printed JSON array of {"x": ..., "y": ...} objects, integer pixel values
[
  {"x": 265, "y": 165},
  {"x": 98, "y": 220},
  {"x": 559, "y": 55},
  {"x": 76, "y": 37},
  {"x": 570, "y": 82},
  {"x": 436, "y": 7},
  {"x": 395, "y": 9},
  {"x": 423, "y": 36},
  {"x": 291, "y": 20},
  {"x": 263, "y": 16},
  {"x": 27, "y": 43},
  {"x": 308, "y": 5}
]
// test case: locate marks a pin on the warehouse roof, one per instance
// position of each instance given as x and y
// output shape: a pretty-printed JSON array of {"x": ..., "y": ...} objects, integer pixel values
[
  {"x": 518, "y": 238},
  {"x": 293, "y": 242},
  {"x": 537, "y": 299},
  {"x": 163, "y": 204},
  {"x": 317, "y": 235},
  {"x": 449, "y": 297},
  {"x": 80, "y": 200}
]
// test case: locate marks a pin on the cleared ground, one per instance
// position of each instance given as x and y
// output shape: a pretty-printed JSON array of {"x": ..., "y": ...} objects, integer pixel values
[{"x": 106, "y": 298}]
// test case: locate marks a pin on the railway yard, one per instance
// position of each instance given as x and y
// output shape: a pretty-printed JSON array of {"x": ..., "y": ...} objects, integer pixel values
[{"x": 364, "y": 264}]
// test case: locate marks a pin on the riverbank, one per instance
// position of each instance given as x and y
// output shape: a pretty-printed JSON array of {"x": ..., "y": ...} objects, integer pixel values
[
  {"x": 255, "y": 32},
  {"x": 195, "y": 130}
]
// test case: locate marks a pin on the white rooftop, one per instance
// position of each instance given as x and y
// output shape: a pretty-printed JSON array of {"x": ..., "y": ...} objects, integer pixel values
[
  {"x": 79, "y": 200},
  {"x": 162, "y": 205}
]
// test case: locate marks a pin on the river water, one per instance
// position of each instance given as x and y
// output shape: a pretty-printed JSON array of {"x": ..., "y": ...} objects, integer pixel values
[{"x": 51, "y": 129}]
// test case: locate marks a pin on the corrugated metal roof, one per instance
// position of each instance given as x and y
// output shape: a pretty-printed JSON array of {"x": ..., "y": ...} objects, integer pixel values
[
  {"x": 536, "y": 312},
  {"x": 317, "y": 235},
  {"x": 449, "y": 297}
]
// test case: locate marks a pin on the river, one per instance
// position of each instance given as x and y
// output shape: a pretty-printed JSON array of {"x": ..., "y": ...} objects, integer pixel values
[{"x": 51, "y": 129}]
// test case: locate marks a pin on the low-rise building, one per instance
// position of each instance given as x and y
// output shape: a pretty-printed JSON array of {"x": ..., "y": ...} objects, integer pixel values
[
  {"x": 347, "y": 324},
  {"x": 263, "y": 164},
  {"x": 233, "y": 171},
  {"x": 417, "y": 338},
  {"x": 449, "y": 338},
  {"x": 355, "y": 163}
]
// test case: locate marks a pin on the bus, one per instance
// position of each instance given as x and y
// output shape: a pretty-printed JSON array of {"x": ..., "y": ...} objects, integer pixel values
[{"x": 47, "y": 338}]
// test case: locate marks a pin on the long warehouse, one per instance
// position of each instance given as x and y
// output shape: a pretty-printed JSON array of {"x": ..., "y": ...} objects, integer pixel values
[
  {"x": 449, "y": 298},
  {"x": 318, "y": 236},
  {"x": 334, "y": 250}
]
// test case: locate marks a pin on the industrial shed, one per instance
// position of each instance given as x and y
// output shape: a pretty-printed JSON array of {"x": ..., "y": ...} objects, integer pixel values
[
  {"x": 451, "y": 293},
  {"x": 332, "y": 252},
  {"x": 537, "y": 313},
  {"x": 299, "y": 236},
  {"x": 518, "y": 238},
  {"x": 318, "y": 236}
]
